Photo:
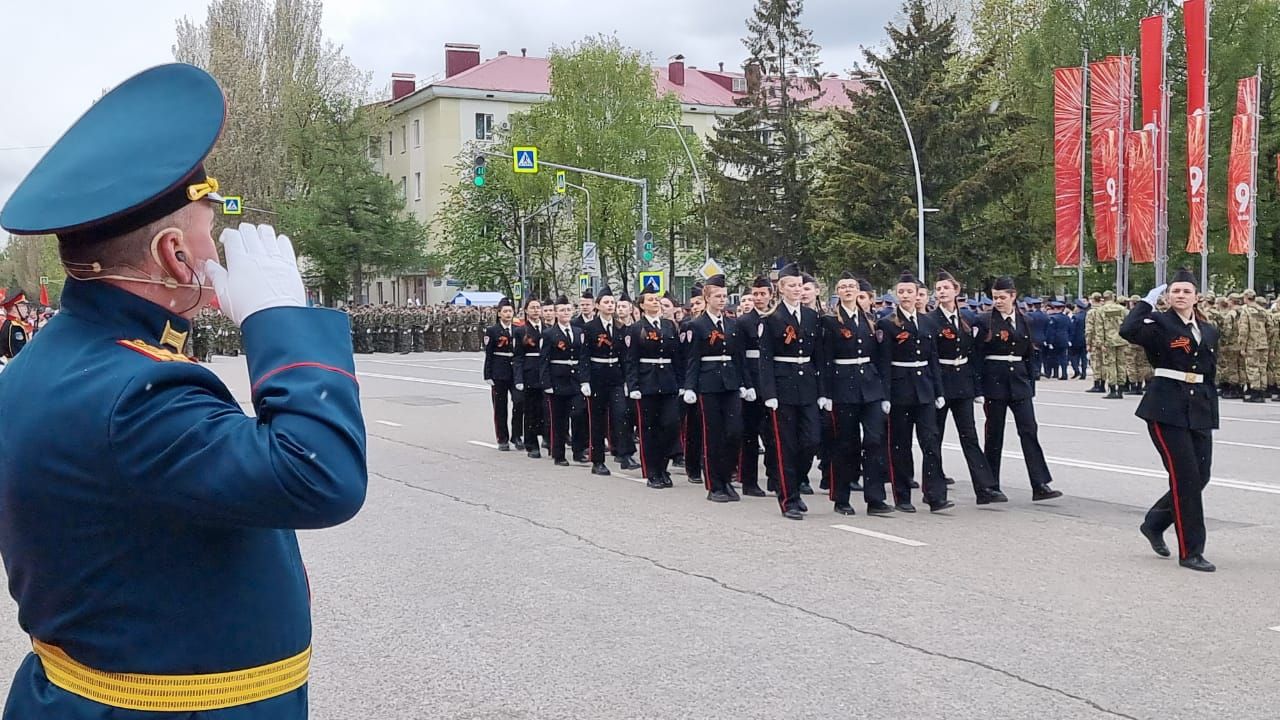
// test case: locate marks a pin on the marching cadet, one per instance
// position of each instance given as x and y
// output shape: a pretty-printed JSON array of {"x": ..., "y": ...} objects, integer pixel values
[
  {"x": 716, "y": 380},
  {"x": 151, "y": 543},
  {"x": 914, "y": 388},
  {"x": 624, "y": 432},
  {"x": 955, "y": 339},
  {"x": 15, "y": 333},
  {"x": 1008, "y": 383},
  {"x": 653, "y": 377},
  {"x": 579, "y": 421},
  {"x": 690, "y": 445},
  {"x": 586, "y": 309},
  {"x": 528, "y": 339},
  {"x": 1181, "y": 410},
  {"x": 602, "y": 359},
  {"x": 563, "y": 380},
  {"x": 853, "y": 391},
  {"x": 501, "y": 370},
  {"x": 790, "y": 363},
  {"x": 753, "y": 410}
]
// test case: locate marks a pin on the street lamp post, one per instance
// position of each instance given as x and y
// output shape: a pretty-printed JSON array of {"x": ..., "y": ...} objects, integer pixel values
[
  {"x": 588, "y": 194},
  {"x": 881, "y": 77},
  {"x": 697, "y": 179}
]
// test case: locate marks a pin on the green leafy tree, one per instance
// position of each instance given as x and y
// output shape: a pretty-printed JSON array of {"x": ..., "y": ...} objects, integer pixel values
[{"x": 27, "y": 258}]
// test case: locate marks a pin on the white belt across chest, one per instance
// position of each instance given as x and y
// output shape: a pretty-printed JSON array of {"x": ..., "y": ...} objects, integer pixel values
[
  {"x": 912, "y": 363},
  {"x": 800, "y": 360},
  {"x": 956, "y": 361},
  {"x": 498, "y": 354},
  {"x": 753, "y": 354},
  {"x": 564, "y": 362},
  {"x": 716, "y": 358},
  {"x": 1006, "y": 358},
  {"x": 604, "y": 361},
  {"x": 852, "y": 361},
  {"x": 1186, "y": 377},
  {"x": 656, "y": 361}
]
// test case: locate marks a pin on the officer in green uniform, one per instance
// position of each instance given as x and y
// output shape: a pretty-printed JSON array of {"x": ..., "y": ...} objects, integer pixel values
[
  {"x": 1111, "y": 364},
  {"x": 1254, "y": 343},
  {"x": 150, "y": 542}
]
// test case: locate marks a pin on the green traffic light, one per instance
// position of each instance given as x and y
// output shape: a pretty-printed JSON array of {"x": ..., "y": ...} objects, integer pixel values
[{"x": 479, "y": 180}]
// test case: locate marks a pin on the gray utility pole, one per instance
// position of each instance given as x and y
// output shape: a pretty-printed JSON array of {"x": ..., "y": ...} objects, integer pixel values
[
  {"x": 1256, "y": 112},
  {"x": 881, "y": 77},
  {"x": 588, "y": 194}
]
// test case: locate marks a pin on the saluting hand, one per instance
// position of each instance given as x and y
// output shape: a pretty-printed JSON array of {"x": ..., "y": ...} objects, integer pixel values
[
  {"x": 261, "y": 273},
  {"x": 1155, "y": 294}
]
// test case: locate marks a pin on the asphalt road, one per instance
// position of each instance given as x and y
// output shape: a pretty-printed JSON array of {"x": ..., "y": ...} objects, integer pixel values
[{"x": 480, "y": 584}]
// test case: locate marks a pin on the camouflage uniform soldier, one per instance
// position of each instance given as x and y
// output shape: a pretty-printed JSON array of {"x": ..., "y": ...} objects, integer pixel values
[
  {"x": 1233, "y": 375},
  {"x": 1111, "y": 361},
  {"x": 1093, "y": 341},
  {"x": 1254, "y": 343},
  {"x": 1273, "y": 353}
]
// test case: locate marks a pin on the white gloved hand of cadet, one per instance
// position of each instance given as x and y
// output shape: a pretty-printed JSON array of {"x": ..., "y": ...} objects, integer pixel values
[
  {"x": 549, "y": 391},
  {"x": 939, "y": 403},
  {"x": 771, "y": 404},
  {"x": 742, "y": 393},
  {"x": 261, "y": 273},
  {"x": 750, "y": 396},
  {"x": 824, "y": 404},
  {"x": 586, "y": 389},
  {"x": 520, "y": 387},
  {"x": 1154, "y": 295},
  {"x": 885, "y": 406},
  {"x": 490, "y": 382},
  {"x": 634, "y": 395},
  {"x": 690, "y": 397}
]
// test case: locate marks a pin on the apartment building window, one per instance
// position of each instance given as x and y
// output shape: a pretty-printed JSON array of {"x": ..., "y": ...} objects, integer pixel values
[
  {"x": 739, "y": 84},
  {"x": 417, "y": 133},
  {"x": 375, "y": 147},
  {"x": 484, "y": 126},
  {"x": 380, "y": 300},
  {"x": 404, "y": 188},
  {"x": 390, "y": 149},
  {"x": 417, "y": 186}
]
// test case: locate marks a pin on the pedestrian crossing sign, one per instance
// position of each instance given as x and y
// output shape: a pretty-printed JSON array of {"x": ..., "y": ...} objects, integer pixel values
[
  {"x": 584, "y": 282},
  {"x": 524, "y": 159},
  {"x": 653, "y": 281},
  {"x": 232, "y": 205}
]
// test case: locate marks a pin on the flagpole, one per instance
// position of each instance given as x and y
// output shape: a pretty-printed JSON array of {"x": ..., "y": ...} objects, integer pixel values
[
  {"x": 1084, "y": 134},
  {"x": 1204, "y": 233},
  {"x": 1162, "y": 154},
  {"x": 1256, "y": 112}
]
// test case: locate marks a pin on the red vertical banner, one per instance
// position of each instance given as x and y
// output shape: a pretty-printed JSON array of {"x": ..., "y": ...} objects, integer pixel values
[
  {"x": 1068, "y": 163},
  {"x": 1247, "y": 96},
  {"x": 1106, "y": 140},
  {"x": 1196, "y": 17},
  {"x": 1151, "y": 59},
  {"x": 1240, "y": 181},
  {"x": 1140, "y": 189}
]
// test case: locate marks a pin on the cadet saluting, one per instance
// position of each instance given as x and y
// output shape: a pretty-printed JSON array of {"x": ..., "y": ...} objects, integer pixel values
[
  {"x": 171, "y": 581},
  {"x": 1181, "y": 410}
]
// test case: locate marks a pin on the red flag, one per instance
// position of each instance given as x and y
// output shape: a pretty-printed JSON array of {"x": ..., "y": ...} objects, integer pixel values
[
  {"x": 1068, "y": 162},
  {"x": 1196, "y": 15},
  {"x": 1107, "y": 90},
  {"x": 44, "y": 295},
  {"x": 1152, "y": 67},
  {"x": 1240, "y": 181},
  {"x": 1196, "y": 18},
  {"x": 1247, "y": 96},
  {"x": 1140, "y": 180}
]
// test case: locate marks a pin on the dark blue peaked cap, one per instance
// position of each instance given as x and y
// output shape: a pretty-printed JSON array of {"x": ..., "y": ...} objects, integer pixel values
[{"x": 135, "y": 156}]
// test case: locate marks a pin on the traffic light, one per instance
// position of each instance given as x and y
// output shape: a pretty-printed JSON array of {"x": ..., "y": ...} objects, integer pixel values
[
  {"x": 478, "y": 171},
  {"x": 647, "y": 248}
]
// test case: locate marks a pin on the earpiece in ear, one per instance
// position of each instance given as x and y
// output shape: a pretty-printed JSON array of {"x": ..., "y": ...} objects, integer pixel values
[{"x": 182, "y": 257}]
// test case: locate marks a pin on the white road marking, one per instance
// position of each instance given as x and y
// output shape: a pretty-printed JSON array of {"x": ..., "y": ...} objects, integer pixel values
[
  {"x": 425, "y": 381},
  {"x": 491, "y": 446},
  {"x": 388, "y": 423},
  {"x": 1245, "y": 444},
  {"x": 1252, "y": 420},
  {"x": 424, "y": 367},
  {"x": 1010, "y": 421},
  {"x": 1276, "y": 628},
  {"x": 880, "y": 536},
  {"x": 1068, "y": 405}
]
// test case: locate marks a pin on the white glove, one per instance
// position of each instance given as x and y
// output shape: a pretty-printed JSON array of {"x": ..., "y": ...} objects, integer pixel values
[
  {"x": 549, "y": 391},
  {"x": 690, "y": 397},
  {"x": 885, "y": 406},
  {"x": 939, "y": 403},
  {"x": 771, "y": 404},
  {"x": 634, "y": 395},
  {"x": 824, "y": 404},
  {"x": 1154, "y": 295},
  {"x": 490, "y": 382},
  {"x": 742, "y": 393},
  {"x": 978, "y": 399},
  {"x": 262, "y": 272},
  {"x": 520, "y": 387},
  {"x": 586, "y": 389},
  {"x": 751, "y": 395}
]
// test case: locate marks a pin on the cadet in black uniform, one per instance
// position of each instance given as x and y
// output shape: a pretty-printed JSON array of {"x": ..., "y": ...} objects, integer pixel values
[
  {"x": 528, "y": 338},
  {"x": 602, "y": 369},
  {"x": 753, "y": 410},
  {"x": 14, "y": 333},
  {"x": 501, "y": 370},
  {"x": 853, "y": 390},
  {"x": 690, "y": 420},
  {"x": 562, "y": 375},
  {"x": 789, "y": 373},
  {"x": 716, "y": 379},
  {"x": 579, "y": 422},
  {"x": 653, "y": 377},
  {"x": 624, "y": 424},
  {"x": 1009, "y": 373},
  {"x": 1181, "y": 410},
  {"x": 955, "y": 338},
  {"x": 914, "y": 388}
]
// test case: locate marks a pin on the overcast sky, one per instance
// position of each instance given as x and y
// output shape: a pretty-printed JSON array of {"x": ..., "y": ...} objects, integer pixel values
[{"x": 71, "y": 50}]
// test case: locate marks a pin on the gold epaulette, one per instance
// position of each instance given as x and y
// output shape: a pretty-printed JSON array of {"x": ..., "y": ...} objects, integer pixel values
[{"x": 155, "y": 353}]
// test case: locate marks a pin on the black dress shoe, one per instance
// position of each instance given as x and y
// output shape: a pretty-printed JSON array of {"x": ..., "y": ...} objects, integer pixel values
[
  {"x": 504, "y": 447},
  {"x": 1197, "y": 562},
  {"x": 792, "y": 514},
  {"x": 855, "y": 487},
  {"x": 806, "y": 489},
  {"x": 905, "y": 507},
  {"x": 562, "y": 463},
  {"x": 580, "y": 459},
  {"x": 754, "y": 492},
  {"x": 823, "y": 485},
  {"x": 656, "y": 483},
  {"x": 678, "y": 461},
  {"x": 940, "y": 506},
  {"x": 666, "y": 480},
  {"x": 800, "y": 504},
  {"x": 629, "y": 464},
  {"x": 695, "y": 479},
  {"x": 1157, "y": 542},
  {"x": 950, "y": 481},
  {"x": 733, "y": 494},
  {"x": 600, "y": 469},
  {"x": 1044, "y": 492},
  {"x": 718, "y": 497},
  {"x": 879, "y": 508},
  {"x": 534, "y": 454},
  {"x": 845, "y": 509},
  {"x": 992, "y": 496},
  {"x": 915, "y": 485}
]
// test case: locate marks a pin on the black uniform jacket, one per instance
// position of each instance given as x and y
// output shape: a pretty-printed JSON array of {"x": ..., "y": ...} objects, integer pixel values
[
  {"x": 749, "y": 325},
  {"x": 500, "y": 360},
  {"x": 607, "y": 345},
  {"x": 644, "y": 342},
  {"x": 1170, "y": 344},
  {"x": 782, "y": 336},
  {"x": 528, "y": 340},
  {"x": 561, "y": 360},
  {"x": 1001, "y": 379},
  {"x": 901, "y": 342},
  {"x": 955, "y": 342},
  {"x": 852, "y": 339},
  {"x": 705, "y": 341}
]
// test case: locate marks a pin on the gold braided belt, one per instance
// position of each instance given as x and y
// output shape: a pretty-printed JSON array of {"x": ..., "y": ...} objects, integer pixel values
[{"x": 174, "y": 693}]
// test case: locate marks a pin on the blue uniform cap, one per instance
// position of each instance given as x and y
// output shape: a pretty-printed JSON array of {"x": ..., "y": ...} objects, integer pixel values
[{"x": 135, "y": 156}]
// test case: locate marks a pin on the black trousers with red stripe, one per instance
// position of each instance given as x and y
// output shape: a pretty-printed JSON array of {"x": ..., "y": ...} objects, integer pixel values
[
  {"x": 1187, "y": 455},
  {"x": 923, "y": 418},
  {"x": 1024, "y": 418},
  {"x": 857, "y": 448},
  {"x": 606, "y": 411},
  {"x": 979, "y": 472},
  {"x": 690, "y": 445},
  {"x": 753, "y": 415},
  {"x": 534, "y": 419},
  {"x": 658, "y": 420},
  {"x": 794, "y": 432},
  {"x": 721, "y": 416},
  {"x": 559, "y": 408},
  {"x": 505, "y": 431}
]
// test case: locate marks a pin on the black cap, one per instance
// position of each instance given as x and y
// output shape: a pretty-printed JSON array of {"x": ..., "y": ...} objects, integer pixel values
[
  {"x": 907, "y": 277},
  {"x": 715, "y": 281},
  {"x": 530, "y": 301},
  {"x": 864, "y": 285},
  {"x": 789, "y": 271},
  {"x": 562, "y": 300},
  {"x": 624, "y": 297},
  {"x": 1183, "y": 275},
  {"x": 943, "y": 275},
  {"x": 846, "y": 275},
  {"x": 1004, "y": 283},
  {"x": 588, "y": 295},
  {"x": 547, "y": 301},
  {"x": 668, "y": 296},
  {"x": 504, "y": 302},
  {"x": 762, "y": 282},
  {"x": 605, "y": 292},
  {"x": 807, "y": 278}
]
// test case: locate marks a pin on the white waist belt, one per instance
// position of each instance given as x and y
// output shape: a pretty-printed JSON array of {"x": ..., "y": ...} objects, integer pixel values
[
  {"x": 656, "y": 361},
  {"x": 794, "y": 360},
  {"x": 716, "y": 358},
  {"x": 1006, "y": 358},
  {"x": 957, "y": 361},
  {"x": 1186, "y": 377},
  {"x": 754, "y": 354},
  {"x": 913, "y": 363},
  {"x": 852, "y": 361},
  {"x": 604, "y": 361},
  {"x": 498, "y": 354},
  {"x": 564, "y": 362},
  {"x": 531, "y": 354}
]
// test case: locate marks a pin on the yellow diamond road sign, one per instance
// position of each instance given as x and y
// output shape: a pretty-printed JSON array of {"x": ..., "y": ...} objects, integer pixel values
[
  {"x": 710, "y": 268},
  {"x": 524, "y": 159}
]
